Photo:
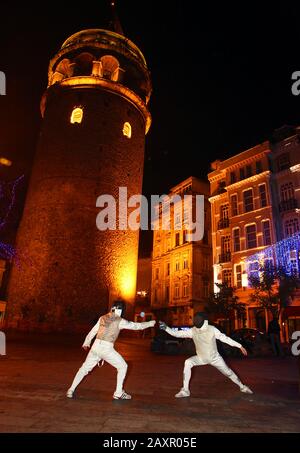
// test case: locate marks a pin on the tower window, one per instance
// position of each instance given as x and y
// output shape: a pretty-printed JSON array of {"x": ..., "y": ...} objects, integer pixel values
[
  {"x": 76, "y": 115},
  {"x": 110, "y": 67},
  {"x": 127, "y": 130}
]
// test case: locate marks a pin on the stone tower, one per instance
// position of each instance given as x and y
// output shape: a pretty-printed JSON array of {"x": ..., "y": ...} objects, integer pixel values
[{"x": 95, "y": 118}]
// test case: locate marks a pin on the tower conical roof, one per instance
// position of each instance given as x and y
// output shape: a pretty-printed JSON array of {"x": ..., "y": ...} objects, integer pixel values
[{"x": 114, "y": 23}]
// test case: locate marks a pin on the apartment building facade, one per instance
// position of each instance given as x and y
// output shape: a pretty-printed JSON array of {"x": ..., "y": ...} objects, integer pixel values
[
  {"x": 181, "y": 268},
  {"x": 254, "y": 204}
]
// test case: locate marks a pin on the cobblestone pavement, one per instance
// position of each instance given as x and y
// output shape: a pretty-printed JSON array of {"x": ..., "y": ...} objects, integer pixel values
[{"x": 37, "y": 370}]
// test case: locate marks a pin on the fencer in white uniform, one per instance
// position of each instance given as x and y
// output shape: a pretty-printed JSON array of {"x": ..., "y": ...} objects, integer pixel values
[
  {"x": 204, "y": 337},
  {"x": 107, "y": 331}
]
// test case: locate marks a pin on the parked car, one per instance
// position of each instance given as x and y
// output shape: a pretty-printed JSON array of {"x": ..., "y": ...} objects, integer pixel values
[
  {"x": 163, "y": 343},
  {"x": 254, "y": 341}
]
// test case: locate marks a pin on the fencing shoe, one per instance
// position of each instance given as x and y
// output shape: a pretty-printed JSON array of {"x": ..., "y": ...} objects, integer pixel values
[
  {"x": 245, "y": 389},
  {"x": 122, "y": 396},
  {"x": 70, "y": 393},
  {"x": 182, "y": 394}
]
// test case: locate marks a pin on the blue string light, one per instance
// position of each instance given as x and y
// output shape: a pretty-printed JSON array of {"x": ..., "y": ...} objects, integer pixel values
[
  {"x": 7, "y": 251},
  {"x": 284, "y": 254}
]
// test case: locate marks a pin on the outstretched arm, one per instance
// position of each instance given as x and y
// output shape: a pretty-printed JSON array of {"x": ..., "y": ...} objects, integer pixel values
[
  {"x": 129, "y": 325},
  {"x": 180, "y": 333},
  {"x": 90, "y": 335},
  {"x": 222, "y": 337},
  {"x": 177, "y": 334}
]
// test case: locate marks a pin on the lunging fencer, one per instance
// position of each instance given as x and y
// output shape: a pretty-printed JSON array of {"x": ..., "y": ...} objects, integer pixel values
[
  {"x": 107, "y": 330},
  {"x": 204, "y": 337}
]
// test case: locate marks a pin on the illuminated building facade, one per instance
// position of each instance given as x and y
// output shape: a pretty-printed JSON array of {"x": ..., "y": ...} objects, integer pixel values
[
  {"x": 95, "y": 118},
  {"x": 254, "y": 205},
  {"x": 181, "y": 269}
]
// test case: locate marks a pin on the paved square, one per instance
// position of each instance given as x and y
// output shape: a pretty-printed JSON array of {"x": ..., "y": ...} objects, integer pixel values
[{"x": 37, "y": 371}]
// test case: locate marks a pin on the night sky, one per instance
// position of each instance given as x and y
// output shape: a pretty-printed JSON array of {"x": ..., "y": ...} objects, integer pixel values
[{"x": 221, "y": 77}]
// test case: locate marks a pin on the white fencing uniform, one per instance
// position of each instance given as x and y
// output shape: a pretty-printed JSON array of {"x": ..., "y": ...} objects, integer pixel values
[
  {"x": 107, "y": 330},
  {"x": 207, "y": 353}
]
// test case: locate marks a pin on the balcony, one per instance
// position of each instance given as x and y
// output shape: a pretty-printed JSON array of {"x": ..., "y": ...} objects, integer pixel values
[
  {"x": 225, "y": 257},
  {"x": 288, "y": 205},
  {"x": 223, "y": 223}
]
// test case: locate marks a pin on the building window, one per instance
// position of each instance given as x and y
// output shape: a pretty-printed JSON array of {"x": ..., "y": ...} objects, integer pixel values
[
  {"x": 254, "y": 269},
  {"x": 157, "y": 273},
  {"x": 234, "y": 205},
  {"x": 168, "y": 269},
  {"x": 177, "y": 239},
  {"x": 224, "y": 216},
  {"x": 76, "y": 115},
  {"x": 251, "y": 239},
  {"x": 248, "y": 200},
  {"x": 185, "y": 290},
  {"x": 186, "y": 217},
  {"x": 127, "y": 130},
  {"x": 262, "y": 195},
  {"x": 178, "y": 220},
  {"x": 266, "y": 232},
  {"x": 287, "y": 191},
  {"x": 248, "y": 171},
  {"x": 294, "y": 262},
  {"x": 291, "y": 227},
  {"x": 224, "y": 211},
  {"x": 185, "y": 233},
  {"x": 221, "y": 186},
  {"x": 238, "y": 275},
  {"x": 242, "y": 173},
  {"x": 226, "y": 277},
  {"x": 155, "y": 295},
  {"x": 236, "y": 240},
  {"x": 185, "y": 264},
  {"x": 283, "y": 162},
  {"x": 232, "y": 177},
  {"x": 225, "y": 244},
  {"x": 177, "y": 266},
  {"x": 258, "y": 166},
  {"x": 176, "y": 291}
]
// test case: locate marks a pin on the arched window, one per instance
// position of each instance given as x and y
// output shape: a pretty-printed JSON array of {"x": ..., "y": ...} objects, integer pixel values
[
  {"x": 83, "y": 64},
  {"x": 110, "y": 67},
  {"x": 76, "y": 115},
  {"x": 127, "y": 130},
  {"x": 65, "y": 67}
]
